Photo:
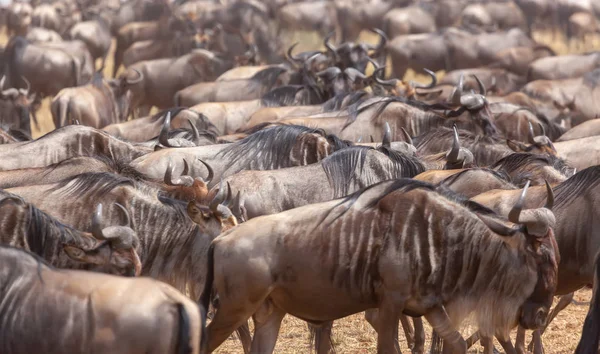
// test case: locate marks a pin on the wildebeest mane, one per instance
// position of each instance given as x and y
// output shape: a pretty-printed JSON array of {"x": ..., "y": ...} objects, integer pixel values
[
  {"x": 406, "y": 185},
  {"x": 116, "y": 166},
  {"x": 268, "y": 76},
  {"x": 17, "y": 259},
  {"x": 342, "y": 167},
  {"x": 355, "y": 109},
  {"x": 344, "y": 100},
  {"x": 281, "y": 96},
  {"x": 582, "y": 183},
  {"x": 92, "y": 182},
  {"x": 513, "y": 162},
  {"x": 501, "y": 175},
  {"x": 270, "y": 146}
]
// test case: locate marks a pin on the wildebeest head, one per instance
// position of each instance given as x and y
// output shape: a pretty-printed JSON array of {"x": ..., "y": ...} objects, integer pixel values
[
  {"x": 536, "y": 225},
  {"x": 540, "y": 144},
  {"x": 400, "y": 88},
  {"x": 186, "y": 187},
  {"x": 17, "y": 102},
  {"x": 541, "y": 244},
  {"x": 121, "y": 90},
  {"x": 352, "y": 55},
  {"x": 217, "y": 217},
  {"x": 115, "y": 252},
  {"x": 458, "y": 157}
]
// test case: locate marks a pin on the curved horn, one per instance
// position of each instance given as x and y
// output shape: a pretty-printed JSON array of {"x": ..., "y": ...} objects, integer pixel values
[
  {"x": 549, "y": 197},
  {"x": 135, "y": 81},
  {"x": 390, "y": 82},
  {"x": 127, "y": 219},
  {"x": 2, "y": 81},
  {"x": 163, "y": 137},
  {"x": 453, "y": 154},
  {"x": 530, "y": 134},
  {"x": 387, "y": 135},
  {"x": 97, "y": 223},
  {"x": 26, "y": 92},
  {"x": 382, "y": 39},
  {"x": 352, "y": 74},
  {"x": 211, "y": 173},
  {"x": 194, "y": 132},
  {"x": 8, "y": 92},
  {"x": 515, "y": 212},
  {"x": 328, "y": 45},
  {"x": 291, "y": 57},
  {"x": 458, "y": 91},
  {"x": 542, "y": 128},
  {"x": 406, "y": 136},
  {"x": 218, "y": 199},
  {"x": 482, "y": 90},
  {"x": 359, "y": 140},
  {"x": 432, "y": 83},
  {"x": 168, "y": 178},
  {"x": 186, "y": 168},
  {"x": 373, "y": 62}
]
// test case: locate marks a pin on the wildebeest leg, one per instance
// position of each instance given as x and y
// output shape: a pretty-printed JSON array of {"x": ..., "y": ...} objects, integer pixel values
[
  {"x": 488, "y": 345},
  {"x": 372, "y": 316},
  {"x": 507, "y": 346},
  {"x": 474, "y": 338},
  {"x": 520, "y": 340},
  {"x": 419, "y": 347},
  {"x": 244, "y": 336},
  {"x": 321, "y": 335},
  {"x": 563, "y": 302},
  {"x": 439, "y": 320},
  {"x": 387, "y": 324},
  {"x": 538, "y": 347},
  {"x": 229, "y": 316},
  {"x": 267, "y": 322}
]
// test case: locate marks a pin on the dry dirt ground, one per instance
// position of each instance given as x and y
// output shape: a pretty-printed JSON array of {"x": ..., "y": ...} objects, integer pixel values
[{"x": 353, "y": 334}]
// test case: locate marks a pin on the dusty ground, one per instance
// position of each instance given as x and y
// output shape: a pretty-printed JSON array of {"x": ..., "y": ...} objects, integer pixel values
[{"x": 353, "y": 334}]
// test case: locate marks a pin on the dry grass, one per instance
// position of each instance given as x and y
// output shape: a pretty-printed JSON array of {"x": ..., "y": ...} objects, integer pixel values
[{"x": 353, "y": 334}]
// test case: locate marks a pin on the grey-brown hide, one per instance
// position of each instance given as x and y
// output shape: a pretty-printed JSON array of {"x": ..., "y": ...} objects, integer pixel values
[
  {"x": 270, "y": 148},
  {"x": 563, "y": 66},
  {"x": 171, "y": 247},
  {"x": 473, "y": 181},
  {"x": 233, "y": 90},
  {"x": 18, "y": 18},
  {"x": 97, "y": 104},
  {"x": 342, "y": 173},
  {"x": 164, "y": 77},
  {"x": 96, "y": 36},
  {"x": 146, "y": 128},
  {"x": 536, "y": 168},
  {"x": 26, "y": 227},
  {"x": 47, "y": 69},
  {"x": 518, "y": 59},
  {"x": 39, "y": 34},
  {"x": 64, "y": 143},
  {"x": 496, "y": 81},
  {"x": 314, "y": 232},
  {"x": 91, "y": 305}
]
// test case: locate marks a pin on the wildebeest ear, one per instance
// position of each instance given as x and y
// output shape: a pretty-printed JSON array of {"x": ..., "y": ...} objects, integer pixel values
[
  {"x": 84, "y": 256},
  {"x": 515, "y": 145}
]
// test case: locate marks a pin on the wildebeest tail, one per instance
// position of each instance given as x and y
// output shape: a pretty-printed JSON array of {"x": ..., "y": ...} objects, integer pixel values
[
  {"x": 183, "y": 339},
  {"x": 205, "y": 297},
  {"x": 76, "y": 71},
  {"x": 60, "y": 113},
  {"x": 436, "y": 343}
]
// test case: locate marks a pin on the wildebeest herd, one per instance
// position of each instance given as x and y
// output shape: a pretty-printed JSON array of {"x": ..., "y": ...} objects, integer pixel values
[{"x": 275, "y": 180}]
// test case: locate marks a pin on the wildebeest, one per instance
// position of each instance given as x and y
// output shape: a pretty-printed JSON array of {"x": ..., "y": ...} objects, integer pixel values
[
  {"x": 96, "y": 36},
  {"x": 373, "y": 224},
  {"x": 47, "y": 69},
  {"x": 139, "y": 315},
  {"x": 64, "y": 143},
  {"x": 16, "y": 108},
  {"x": 563, "y": 66},
  {"x": 233, "y": 90},
  {"x": 97, "y": 104},
  {"x": 164, "y": 77},
  {"x": 109, "y": 249}
]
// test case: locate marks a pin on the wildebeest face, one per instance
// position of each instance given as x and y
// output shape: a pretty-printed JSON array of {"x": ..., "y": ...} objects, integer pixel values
[
  {"x": 545, "y": 251},
  {"x": 211, "y": 222},
  {"x": 106, "y": 259}
]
